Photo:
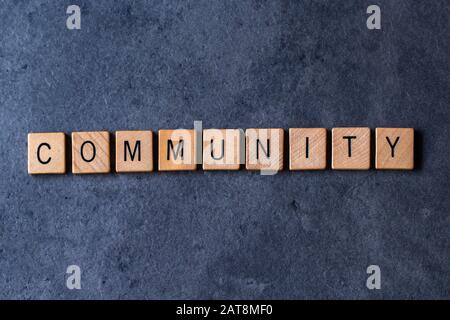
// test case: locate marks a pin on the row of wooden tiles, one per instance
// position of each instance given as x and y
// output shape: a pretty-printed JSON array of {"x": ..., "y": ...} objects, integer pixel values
[{"x": 223, "y": 149}]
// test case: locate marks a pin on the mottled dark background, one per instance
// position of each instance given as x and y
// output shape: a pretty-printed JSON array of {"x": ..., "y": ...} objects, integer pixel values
[{"x": 164, "y": 64}]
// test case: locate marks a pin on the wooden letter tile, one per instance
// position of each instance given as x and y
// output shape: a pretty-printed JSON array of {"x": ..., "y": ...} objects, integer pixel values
[
  {"x": 221, "y": 149},
  {"x": 46, "y": 153},
  {"x": 264, "y": 149},
  {"x": 134, "y": 151},
  {"x": 307, "y": 148},
  {"x": 351, "y": 149},
  {"x": 394, "y": 148},
  {"x": 177, "y": 150},
  {"x": 90, "y": 152}
]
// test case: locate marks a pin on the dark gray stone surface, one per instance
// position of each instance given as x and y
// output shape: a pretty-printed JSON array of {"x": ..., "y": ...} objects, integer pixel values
[{"x": 164, "y": 64}]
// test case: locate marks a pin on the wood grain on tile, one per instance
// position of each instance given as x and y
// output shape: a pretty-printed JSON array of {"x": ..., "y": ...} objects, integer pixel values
[
  {"x": 90, "y": 152},
  {"x": 134, "y": 151},
  {"x": 47, "y": 153},
  {"x": 350, "y": 148},
  {"x": 176, "y": 150},
  {"x": 394, "y": 148},
  {"x": 307, "y": 148},
  {"x": 264, "y": 149},
  {"x": 221, "y": 149}
]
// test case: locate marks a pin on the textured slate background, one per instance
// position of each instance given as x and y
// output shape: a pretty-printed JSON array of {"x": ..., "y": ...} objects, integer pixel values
[{"x": 164, "y": 64}]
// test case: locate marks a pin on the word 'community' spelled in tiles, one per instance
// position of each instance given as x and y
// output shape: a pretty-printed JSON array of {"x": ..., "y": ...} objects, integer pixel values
[{"x": 222, "y": 149}]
